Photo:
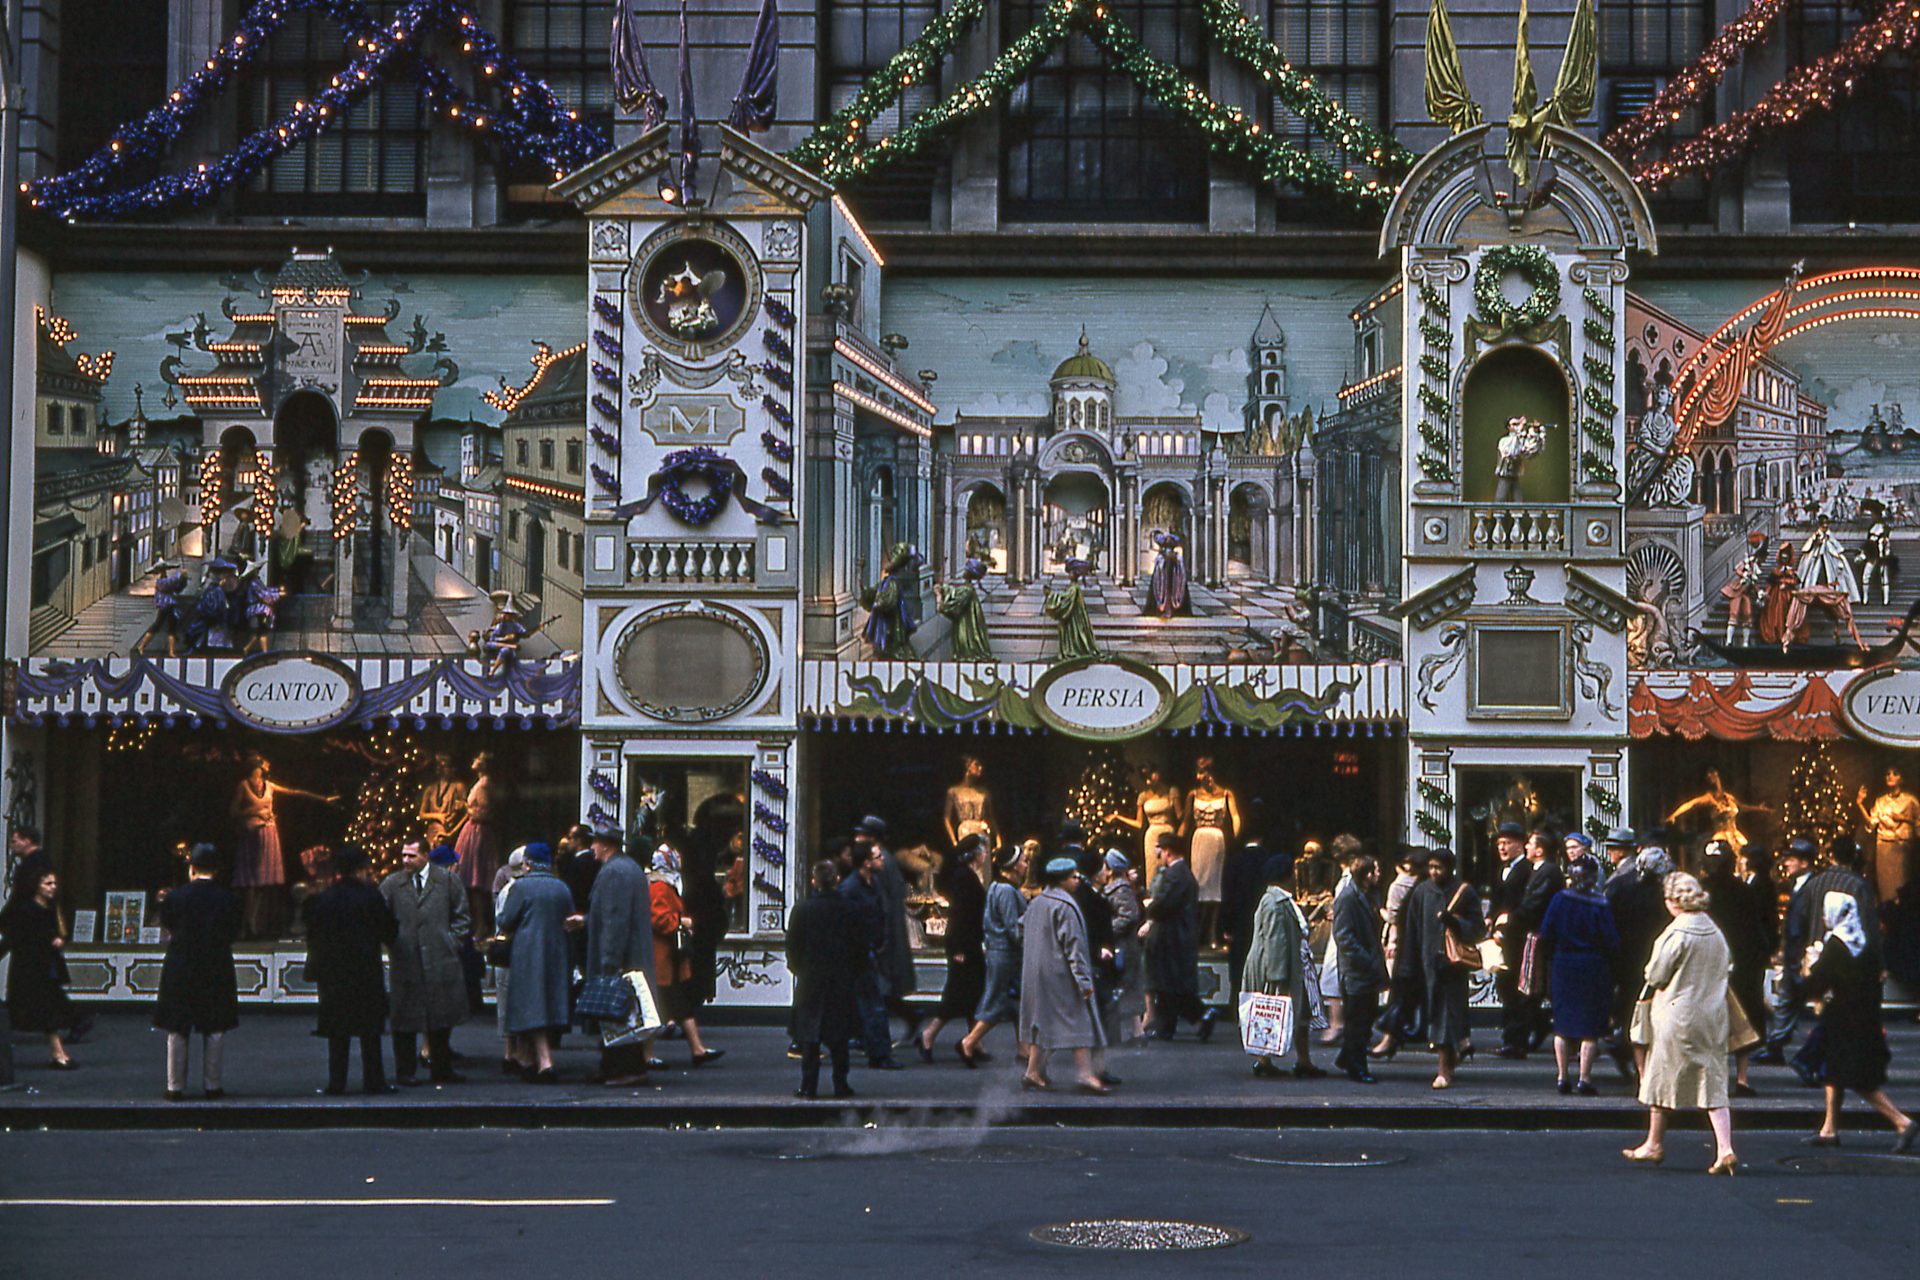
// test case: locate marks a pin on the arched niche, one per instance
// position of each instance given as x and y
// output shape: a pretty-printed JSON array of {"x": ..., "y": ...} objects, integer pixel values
[{"x": 1509, "y": 382}]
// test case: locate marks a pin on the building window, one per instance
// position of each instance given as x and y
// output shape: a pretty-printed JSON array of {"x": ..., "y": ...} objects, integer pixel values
[
  {"x": 565, "y": 43},
  {"x": 1643, "y": 45},
  {"x": 522, "y": 453},
  {"x": 113, "y": 68},
  {"x": 1842, "y": 161},
  {"x": 1083, "y": 143},
  {"x": 546, "y": 455},
  {"x": 371, "y": 161},
  {"x": 575, "y": 457},
  {"x": 562, "y": 549},
  {"x": 1340, "y": 43},
  {"x": 860, "y": 36},
  {"x": 513, "y": 526},
  {"x": 56, "y": 420}
]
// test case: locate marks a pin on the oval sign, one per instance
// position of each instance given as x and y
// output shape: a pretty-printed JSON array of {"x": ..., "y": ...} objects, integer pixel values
[
  {"x": 1102, "y": 698},
  {"x": 291, "y": 692},
  {"x": 1885, "y": 707}
]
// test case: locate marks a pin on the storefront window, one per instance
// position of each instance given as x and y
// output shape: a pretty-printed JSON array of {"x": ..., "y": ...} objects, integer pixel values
[{"x": 700, "y": 808}]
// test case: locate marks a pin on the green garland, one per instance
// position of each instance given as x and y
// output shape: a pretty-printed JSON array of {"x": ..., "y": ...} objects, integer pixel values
[
  {"x": 1596, "y": 459},
  {"x": 1435, "y": 457},
  {"x": 1535, "y": 267},
  {"x": 838, "y": 149}
]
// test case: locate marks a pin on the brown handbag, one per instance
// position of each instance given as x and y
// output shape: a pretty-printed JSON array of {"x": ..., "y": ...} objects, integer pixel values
[{"x": 1458, "y": 952}]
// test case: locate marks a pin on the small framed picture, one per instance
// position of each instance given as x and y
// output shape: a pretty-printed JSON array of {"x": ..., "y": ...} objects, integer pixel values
[
  {"x": 150, "y": 935},
  {"x": 126, "y": 913},
  {"x": 85, "y": 924}
]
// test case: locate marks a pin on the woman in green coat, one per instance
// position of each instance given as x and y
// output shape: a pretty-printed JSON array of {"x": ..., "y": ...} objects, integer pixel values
[
  {"x": 1277, "y": 963},
  {"x": 960, "y": 605},
  {"x": 1068, "y": 607}
]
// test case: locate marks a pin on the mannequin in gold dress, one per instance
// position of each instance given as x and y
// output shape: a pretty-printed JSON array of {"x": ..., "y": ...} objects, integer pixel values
[{"x": 1156, "y": 811}]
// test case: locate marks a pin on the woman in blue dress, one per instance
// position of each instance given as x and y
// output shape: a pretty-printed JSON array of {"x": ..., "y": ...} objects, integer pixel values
[
  {"x": 1001, "y": 934},
  {"x": 1580, "y": 929}
]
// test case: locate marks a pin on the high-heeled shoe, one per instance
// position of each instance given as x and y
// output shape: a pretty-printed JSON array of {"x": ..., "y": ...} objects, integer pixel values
[
  {"x": 1384, "y": 1051},
  {"x": 1640, "y": 1155},
  {"x": 1725, "y": 1164},
  {"x": 1036, "y": 1086},
  {"x": 926, "y": 1051},
  {"x": 971, "y": 1059}
]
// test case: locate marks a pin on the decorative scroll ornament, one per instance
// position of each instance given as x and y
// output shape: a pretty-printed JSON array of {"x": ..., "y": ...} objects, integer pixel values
[{"x": 724, "y": 479}]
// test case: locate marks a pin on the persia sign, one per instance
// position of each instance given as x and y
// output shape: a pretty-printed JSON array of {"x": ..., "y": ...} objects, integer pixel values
[
  {"x": 1885, "y": 707},
  {"x": 291, "y": 692},
  {"x": 1102, "y": 698}
]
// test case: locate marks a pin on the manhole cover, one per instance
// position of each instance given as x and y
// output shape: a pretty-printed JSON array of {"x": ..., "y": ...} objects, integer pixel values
[
  {"x": 1864, "y": 1163},
  {"x": 1307, "y": 1159},
  {"x": 998, "y": 1153},
  {"x": 1138, "y": 1235}
]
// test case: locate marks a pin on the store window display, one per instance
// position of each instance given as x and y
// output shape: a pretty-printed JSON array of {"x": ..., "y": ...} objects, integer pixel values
[
  {"x": 969, "y": 808},
  {"x": 1212, "y": 819},
  {"x": 1156, "y": 812}
]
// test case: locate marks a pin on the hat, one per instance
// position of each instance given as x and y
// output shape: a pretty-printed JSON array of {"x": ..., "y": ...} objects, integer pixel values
[
  {"x": 1580, "y": 838},
  {"x": 539, "y": 854},
  {"x": 203, "y": 857},
  {"x": 1758, "y": 538},
  {"x": 349, "y": 858},
  {"x": 444, "y": 855},
  {"x": 1005, "y": 856},
  {"x": 1071, "y": 832},
  {"x": 1511, "y": 831},
  {"x": 1622, "y": 837},
  {"x": 603, "y": 834},
  {"x": 1801, "y": 847},
  {"x": 1441, "y": 854},
  {"x": 1117, "y": 860},
  {"x": 221, "y": 565},
  {"x": 1277, "y": 867},
  {"x": 1061, "y": 868},
  {"x": 871, "y": 826},
  {"x": 517, "y": 859}
]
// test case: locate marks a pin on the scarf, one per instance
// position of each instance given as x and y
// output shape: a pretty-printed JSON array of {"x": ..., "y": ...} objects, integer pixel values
[
  {"x": 1843, "y": 921},
  {"x": 665, "y": 867}
]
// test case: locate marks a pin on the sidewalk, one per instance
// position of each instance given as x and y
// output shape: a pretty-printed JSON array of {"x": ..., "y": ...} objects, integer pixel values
[{"x": 274, "y": 1066}]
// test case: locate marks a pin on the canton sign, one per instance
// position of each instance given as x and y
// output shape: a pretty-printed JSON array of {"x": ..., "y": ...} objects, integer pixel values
[
  {"x": 291, "y": 692},
  {"x": 1885, "y": 707},
  {"x": 683, "y": 420},
  {"x": 1102, "y": 698}
]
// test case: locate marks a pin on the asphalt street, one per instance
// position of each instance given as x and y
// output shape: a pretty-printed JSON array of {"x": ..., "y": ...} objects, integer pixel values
[{"x": 941, "y": 1201}]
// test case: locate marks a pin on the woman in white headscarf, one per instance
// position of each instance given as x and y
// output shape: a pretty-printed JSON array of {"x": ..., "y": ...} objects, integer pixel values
[
  {"x": 672, "y": 968},
  {"x": 1853, "y": 1043}
]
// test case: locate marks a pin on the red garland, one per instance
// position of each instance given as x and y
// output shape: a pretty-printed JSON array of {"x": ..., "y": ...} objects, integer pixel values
[
  {"x": 1817, "y": 86},
  {"x": 1697, "y": 80}
]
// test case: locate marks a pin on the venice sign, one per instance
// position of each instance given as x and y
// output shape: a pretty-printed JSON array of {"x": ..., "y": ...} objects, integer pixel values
[
  {"x": 1884, "y": 707},
  {"x": 1102, "y": 698},
  {"x": 291, "y": 692}
]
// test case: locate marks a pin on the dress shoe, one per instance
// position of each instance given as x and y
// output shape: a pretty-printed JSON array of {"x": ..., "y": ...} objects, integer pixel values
[
  {"x": 1384, "y": 1051},
  {"x": 508, "y": 1067},
  {"x": 1307, "y": 1071},
  {"x": 809, "y": 1094},
  {"x": 175, "y": 1095},
  {"x": 656, "y": 1064},
  {"x": 1640, "y": 1155},
  {"x": 1362, "y": 1077},
  {"x": 1904, "y": 1143},
  {"x": 1821, "y": 1140},
  {"x": 64, "y": 1064},
  {"x": 708, "y": 1058},
  {"x": 1726, "y": 1164},
  {"x": 793, "y": 1051},
  {"x": 1585, "y": 1089},
  {"x": 1027, "y": 1082},
  {"x": 971, "y": 1059},
  {"x": 1267, "y": 1071},
  {"x": 1207, "y": 1019},
  {"x": 885, "y": 1064},
  {"x": 546, "y": 1075},
  {"x": 1109, "y": 1079},
  {"x": 1563, "y": 1086},
  {"x": 1094, "y": 1088},
  {"x": 214, "y": 1095},
  {"x": 1511, "y": 1052},
  {"x": 926, "y": 1051},
  {"x": 1741, "y": 1089}
]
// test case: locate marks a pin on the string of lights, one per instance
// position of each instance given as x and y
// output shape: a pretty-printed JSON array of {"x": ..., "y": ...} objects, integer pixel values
[
  {"x": 1807, "y": 90},
  {"x": 530, "y": 120},
  {"x": 1697, "y": 80}
]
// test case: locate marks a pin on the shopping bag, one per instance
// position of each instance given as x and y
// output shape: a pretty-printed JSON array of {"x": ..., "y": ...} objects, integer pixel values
[
  {"x": 1266, "y": 1024},
  {"x": 642, "y": 1020},
  {"x": 1531, "y": 979},
  {"x": 606, "y": 997}
]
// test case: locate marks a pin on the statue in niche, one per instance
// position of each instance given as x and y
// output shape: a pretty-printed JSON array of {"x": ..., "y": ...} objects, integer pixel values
[
  {"x": 1522, "y": 443},
  {"x": 1657, "y": 474}
]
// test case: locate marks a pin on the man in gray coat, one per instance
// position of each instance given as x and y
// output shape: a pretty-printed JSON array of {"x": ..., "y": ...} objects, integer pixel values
[
  {"x": 895, "y": 958},
  {"x": 619, "y": 940},
  {"x": 1363, "y": 964},
  {"x": 427, "y": 982}
]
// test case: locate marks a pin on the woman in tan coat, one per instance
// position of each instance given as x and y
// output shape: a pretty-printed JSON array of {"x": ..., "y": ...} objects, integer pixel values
[{"x": 1687, "y": 1064}]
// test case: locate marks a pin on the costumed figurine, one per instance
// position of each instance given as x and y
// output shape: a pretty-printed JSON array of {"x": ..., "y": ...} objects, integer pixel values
[
  {"x": 1782, "y": 583},
  {"x": 443, "y": 802},
  {"x": 1068, "y": 608},
  {"x": 1157, "y": 812},
  {"x": 891, "y": 620},
  {"x": 1877, "y": 562},
  {"x": 1523, "y": 442},
  {"x": 1825, "y": 580},
  {"x": 685, "y": 296},
  {"x": 959, "y": 604},
  {"x": 969, "y": 807},
  {"x": 1167, "y": 589},
  {"x": 1723, "y": 807},
  {"x": 261, "y": 609},
  {"x": 1893, "y": 819},
  {"x": 1657, "y": 476},
  {"x": 500, "y": 642},
  {"x": 220, "y": 611},
  {"x": 1211, "y": 827},
  {"x": 1746, "y": 592},
  {"x": 169, "y": 620}
]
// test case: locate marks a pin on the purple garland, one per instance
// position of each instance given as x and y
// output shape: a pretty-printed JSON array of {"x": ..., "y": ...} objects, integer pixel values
[
  {"x": 774, "y": 855},
  {"x": 608, "y": 481},
  {"x": 776, "y": 446},
  {"x": 770, "y": 784},
  {"x": 603, "y": 405},
  {"x": 767, "y": 818},
  {"x": 605, "y": 309},
  {"x": 781, "y": 414},
  {"x": 603, "y": 784},
  {"x": 781, "y": 348},
  {"x": 605, "y": 376},
  {"x": 604, "y": 438},
  {"x": 782, "y": 314},
  {"x": 778, "y": 375},
  {"x": 777, "y": 482},
  {"x": 607, "y": 343}
]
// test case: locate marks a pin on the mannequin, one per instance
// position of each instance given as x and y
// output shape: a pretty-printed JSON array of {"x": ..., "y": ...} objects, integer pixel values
[
  {"x": 969, "y": 808},
  {"x": 1212, "y": 818},
  {"x": 1725, "y": 808},
  {"x": 1156, "y": 812}
]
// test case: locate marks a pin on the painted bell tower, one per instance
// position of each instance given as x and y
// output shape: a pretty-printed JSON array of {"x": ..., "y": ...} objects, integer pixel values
[
  {"x": 1514, "y": 611},
  {"x": 691, "y": 615}
]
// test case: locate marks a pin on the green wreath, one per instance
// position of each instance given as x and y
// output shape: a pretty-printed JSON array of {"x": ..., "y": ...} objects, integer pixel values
[{"x": 1535, "y": 267}]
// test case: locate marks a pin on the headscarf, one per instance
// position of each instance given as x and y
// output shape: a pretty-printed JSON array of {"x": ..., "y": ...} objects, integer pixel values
[
  {"x": 1118, "y": 862},
  {"x": 1655, "y": 862},
  {"x": 1843, "y": 921},
  {"x": 1583, "y": 874},
  {"x": 665, "y": 867}
]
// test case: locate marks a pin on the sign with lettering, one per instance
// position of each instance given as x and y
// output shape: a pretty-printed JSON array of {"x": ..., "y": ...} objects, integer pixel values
[
  {"x": 1102, "y": 698},
  {"x": 1885, "y": 707},
  {"x": 684, "y": 420},
  {"x": 291, "y": 692}
]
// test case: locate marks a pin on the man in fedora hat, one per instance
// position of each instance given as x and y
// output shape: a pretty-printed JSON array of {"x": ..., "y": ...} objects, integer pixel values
[
  {"x": 198, "y": 991},
  {"x": 619, "y": 925},
  {"x": 894, "y": 957}
]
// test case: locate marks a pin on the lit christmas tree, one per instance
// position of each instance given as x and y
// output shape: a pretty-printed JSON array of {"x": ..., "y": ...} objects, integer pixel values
[
  {"x": 1816, "y": 800},
  {"x": 387, "y": 803},
  {"x": 1102, "y": 790}
]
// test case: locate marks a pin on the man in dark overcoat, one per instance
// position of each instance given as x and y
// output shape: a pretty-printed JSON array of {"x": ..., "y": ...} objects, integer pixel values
[
  {"x": 197, "y": 987},
  {"x": 1510, "y": 846},
  {"x": 861, "y": 890},
  {"x": 428, "y": 979},
  {"x": 894, "y": 957},
  {"x": 827, "y": 952},
  {"x": 619, "y": 926},
  {"x": 1173, "y": 944},
  {"x": 1363, "y": 965},
  {"x": 347, "y": 925}
]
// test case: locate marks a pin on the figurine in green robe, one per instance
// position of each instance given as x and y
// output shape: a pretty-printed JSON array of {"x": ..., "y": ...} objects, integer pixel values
[
  {"x": 960, "y": 605},
  {"x": 1068, "y": 607},
  {"x": 891, "y": 619}
]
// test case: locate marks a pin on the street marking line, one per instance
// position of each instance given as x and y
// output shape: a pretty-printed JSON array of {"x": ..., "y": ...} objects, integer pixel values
[{"x": 393, "y": 1202}]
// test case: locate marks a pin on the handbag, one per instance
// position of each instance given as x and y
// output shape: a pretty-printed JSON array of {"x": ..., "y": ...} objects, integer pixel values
[
  {"x": 1741, "y": 1034},
  {"x": 1266, "y": 1024},
  {"x": 1530, "y": 976},
  {"x": 1458, "y": 952},
  {"x": 605, "y": 997},
  {"x": 500, "y": 951},
  {"x": 642, "y": 1018},
  {"x": 1640, "y": 1027}
]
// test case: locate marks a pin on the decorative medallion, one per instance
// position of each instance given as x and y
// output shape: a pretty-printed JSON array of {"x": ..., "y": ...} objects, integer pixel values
[
  {"x": 691, "y": 662},
  {"x": 291, "y": 692},
  {"x": 1102, "y": 698},
  {"x": 696, "y": 288},
  {"x": 1884, "y": 707}
]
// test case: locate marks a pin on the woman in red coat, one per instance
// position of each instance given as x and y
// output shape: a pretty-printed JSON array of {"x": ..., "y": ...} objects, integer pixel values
[{"x": 672, "y": 970}]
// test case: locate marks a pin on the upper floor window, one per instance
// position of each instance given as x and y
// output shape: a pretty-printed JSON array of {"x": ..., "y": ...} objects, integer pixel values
[
  {"x": 566, "y": 44},
  {"x": 859, "y": 37},
  {"x": 1845, "y": 162},
  {"x": 1341, "y": 44},
  {"x": 575, "y": 457},
  {"x": 113, "y": 68},
  {"x": 546, "y": 455},
  {"x": 1083, "y": 143},
  {"x": 1643, "y": 45},
  {"x": 371, "y": 161}
]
